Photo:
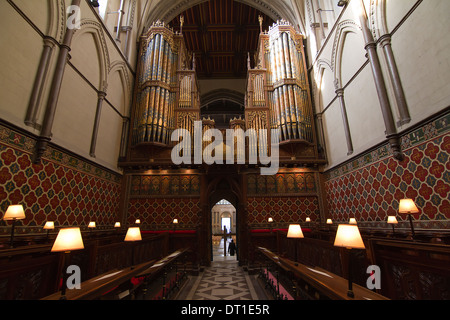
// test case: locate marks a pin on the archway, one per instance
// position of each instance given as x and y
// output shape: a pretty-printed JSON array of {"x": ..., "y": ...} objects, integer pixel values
[
  {"x": 223, "y": 224},
  {"x": 224, "y": 196}
]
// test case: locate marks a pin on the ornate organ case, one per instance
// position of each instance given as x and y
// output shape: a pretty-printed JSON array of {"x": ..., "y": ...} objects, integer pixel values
[
  {"x": 278, "y": 95},
  {"x": 166, "y": 96}
]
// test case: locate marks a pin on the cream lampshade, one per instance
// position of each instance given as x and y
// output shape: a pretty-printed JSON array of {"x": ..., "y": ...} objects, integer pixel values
[
  {"x": 49, "y": 225},
  {"x": 14, "y": 212},
  {"x": 329, "y": 221},
  {"x": 308, "y": 219},
  {"x": 68, "y": 239},
  {"x": 409, "y": 207},
  {"x": 392, "y": 220},
  {"x": 117, "y": 225},
  {"x": 92, "y": 224},
  {"x": 295, "y": 231},
  {"x": 352, "y": 221},
  {"x": 175, "y": 221},
  {"x": 138, "y": 221},
  {"x": 348, "y": 236},
  {"x": 270, "y": 220},
  {"x": 133, "y": 234}
]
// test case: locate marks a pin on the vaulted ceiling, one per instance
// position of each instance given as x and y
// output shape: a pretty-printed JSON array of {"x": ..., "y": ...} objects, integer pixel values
[{"x": 221, "y": 33}]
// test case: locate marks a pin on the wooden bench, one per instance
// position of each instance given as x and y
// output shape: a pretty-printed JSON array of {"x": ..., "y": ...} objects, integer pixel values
[
  {"x": 316, "y": 283},
  {"x": 103, "y": 284}
]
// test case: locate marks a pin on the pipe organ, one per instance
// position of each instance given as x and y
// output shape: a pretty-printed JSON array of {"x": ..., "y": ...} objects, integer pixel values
[
  {"x": 167, "y": 95},
  {"x": 277, "y": 97},
  {"x": 277, "y": 88}
]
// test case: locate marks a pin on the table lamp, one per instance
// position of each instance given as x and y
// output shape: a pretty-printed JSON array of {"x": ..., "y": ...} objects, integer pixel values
[
  {"x": 49, "y": 225},
  {"x": 68, "y": 239},
  {"x": 133, "y": 235},
  {"x": 295, "y": 232},
  {"x": 393, "y": 221},
  {"x": 91, "y": 226},
  {"x": 409, "y": 207},
  {"x": 348, "y": 236},
  {"x": 270, "y": 220},
  {"x": 14, "y": 212}
]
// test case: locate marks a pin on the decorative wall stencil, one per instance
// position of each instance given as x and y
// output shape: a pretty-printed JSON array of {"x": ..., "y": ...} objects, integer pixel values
[
  {"x": 370, "y": 187},
  {"x": 158, "y": 213},
  {"x": 282, "y": 209},
  {"x": 62, "y": 188}
]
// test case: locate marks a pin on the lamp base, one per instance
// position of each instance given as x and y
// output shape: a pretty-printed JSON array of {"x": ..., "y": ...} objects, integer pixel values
[{"x": 350, "y": 294}]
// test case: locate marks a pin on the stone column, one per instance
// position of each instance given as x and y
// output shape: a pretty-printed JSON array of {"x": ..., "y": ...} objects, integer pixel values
[
  {"x": 36, "y": 94},
  {"x": 101, "y": 98},
  {"x": 385, "y": 42},
  {"x": 348, "y": 136},
  {"x": 46, "y": 131},
  {"x": 371, "y": 48}
]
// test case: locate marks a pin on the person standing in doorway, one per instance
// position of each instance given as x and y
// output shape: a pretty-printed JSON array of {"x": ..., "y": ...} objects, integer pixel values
[{"x": 232, "y": 248}]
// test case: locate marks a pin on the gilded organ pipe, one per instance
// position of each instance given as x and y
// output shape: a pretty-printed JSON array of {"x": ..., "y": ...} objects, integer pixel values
[
  {"x": 285, "y": 84},
  {"x": 165, "y": 84}
]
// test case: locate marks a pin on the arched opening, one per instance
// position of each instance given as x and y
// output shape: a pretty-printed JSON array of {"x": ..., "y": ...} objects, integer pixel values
[
  {"x": 223, "y": 223},
  {"x": 223, "y": 202}
]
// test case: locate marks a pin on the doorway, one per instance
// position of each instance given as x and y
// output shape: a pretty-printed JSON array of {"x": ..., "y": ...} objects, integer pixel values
[{"x": 223, "y": 224}]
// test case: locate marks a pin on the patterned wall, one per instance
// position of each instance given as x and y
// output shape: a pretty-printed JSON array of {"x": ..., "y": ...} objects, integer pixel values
[
  {"x": 286, "y": 197},
  {"x": 158, "y": 199},
  {"x": 283, "y": 210},
  {"x": 158, "y": 213},
  {"x": 370, "y": 187},
  {"x": 148, "y": 185},
  {"x": 283, "y": 183},
  {"x": 62, "y": 188}
]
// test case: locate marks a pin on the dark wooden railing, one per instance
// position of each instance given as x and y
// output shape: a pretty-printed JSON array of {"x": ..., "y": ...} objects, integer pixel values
[
  {"x": 410, "y": 269},
  {"x": 306, "y": 283},
  {"x": 31, "y": 272},
  {"x": 121, "y": 283}
]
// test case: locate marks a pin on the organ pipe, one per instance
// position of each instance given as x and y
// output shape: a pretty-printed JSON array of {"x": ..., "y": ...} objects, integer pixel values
[
  {"x": 165, "y": 86},
  {"x": 289, "y": 107}
]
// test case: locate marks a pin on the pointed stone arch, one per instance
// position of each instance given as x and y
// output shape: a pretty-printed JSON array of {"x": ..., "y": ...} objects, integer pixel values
[
  {"x": 57, "y": 22},
  {"x": 343, "y": 28},
  {"x": 121, "y": 68},
  {"x": 377, "y": 18},
  {"x": 94, "y": 27},
  {"x": 319, "y": 69}
]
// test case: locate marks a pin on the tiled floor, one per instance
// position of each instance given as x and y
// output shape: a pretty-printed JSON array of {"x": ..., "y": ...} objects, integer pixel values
[{"x": 224, "y": 280}]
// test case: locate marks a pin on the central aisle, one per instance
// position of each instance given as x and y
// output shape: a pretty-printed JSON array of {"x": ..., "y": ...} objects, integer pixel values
[{"x": 224, "y": 280}]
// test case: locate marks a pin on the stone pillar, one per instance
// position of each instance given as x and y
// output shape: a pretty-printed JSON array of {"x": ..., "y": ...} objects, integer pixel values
[
  {"x": 371, "y": 48},
  {"x": 385, "y": 42},
  {"x": 46, "y": 131},
  {"x": 101, "y": 98}
]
